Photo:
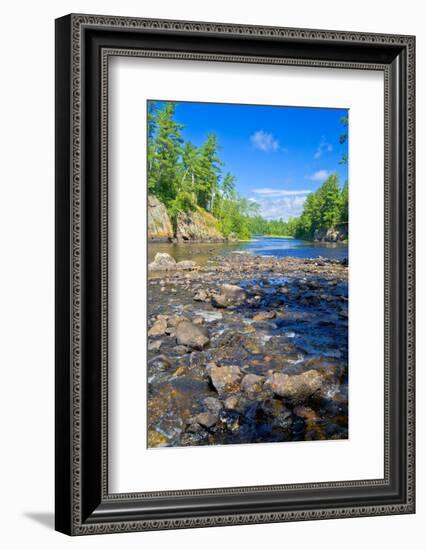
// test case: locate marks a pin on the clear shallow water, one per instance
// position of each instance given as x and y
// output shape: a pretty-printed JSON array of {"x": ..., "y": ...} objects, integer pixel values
[
  {"x": 259, "y": 246},
  {"x": 308, "y": 329},
  {"x": 279, "y": 247}
]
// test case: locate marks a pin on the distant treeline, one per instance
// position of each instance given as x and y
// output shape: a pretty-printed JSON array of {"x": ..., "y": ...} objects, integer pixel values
[{"x": 186, "y": 177}]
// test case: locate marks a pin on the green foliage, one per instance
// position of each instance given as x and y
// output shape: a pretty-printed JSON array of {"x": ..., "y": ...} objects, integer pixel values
[
  {"x": 324, "y": 209},
  {"x": 186, "y": 177},
  {"x": 344, "y": 207},
  {"x": 279, "y": 228},
  {"x": 164, "y": 152},
  {"x": 343, "y": 139}
]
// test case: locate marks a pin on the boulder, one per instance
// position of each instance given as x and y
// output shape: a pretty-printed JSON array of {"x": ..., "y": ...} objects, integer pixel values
[
  {"x": 201, "y": 295},
  {"x": 218, "y": 300},
  {"x": 158, "y": 328},
  {"x": 191, "y": 335},
  {"x": 230, "y": 295},
  {"x": 162, "y": 262},
  {"x": 225, "y": 379},
  {"x": 174, "y": 320},
  {"x": 231, "y": 402},
  {"x": 206, "y": 419},
  {"x": 297, "y": 388}
]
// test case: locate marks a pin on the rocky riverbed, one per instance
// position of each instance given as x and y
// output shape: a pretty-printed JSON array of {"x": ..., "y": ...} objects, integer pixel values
[{"x": 247, "y": 349}]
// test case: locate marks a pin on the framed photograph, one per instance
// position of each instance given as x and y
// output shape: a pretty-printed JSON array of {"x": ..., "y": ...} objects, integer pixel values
[{"x": 234, "y": 274}]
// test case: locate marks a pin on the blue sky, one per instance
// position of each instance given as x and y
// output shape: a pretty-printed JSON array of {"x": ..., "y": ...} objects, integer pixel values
[{"x": 278, "y": 154}]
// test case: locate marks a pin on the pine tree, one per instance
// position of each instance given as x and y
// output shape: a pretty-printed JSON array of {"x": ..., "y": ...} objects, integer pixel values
[
  {"x": 329, "y": 202},
  {"x": 164, "y": 169},
  {"x": 343, "y": 139},
  {"x": 152, "y": 115},
  {"x": 209, "y": 175}
]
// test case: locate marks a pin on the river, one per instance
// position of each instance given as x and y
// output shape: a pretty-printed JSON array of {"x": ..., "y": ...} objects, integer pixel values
[
  {"x": 259, "y": 246},
  {"x": 269, "y": 364}
]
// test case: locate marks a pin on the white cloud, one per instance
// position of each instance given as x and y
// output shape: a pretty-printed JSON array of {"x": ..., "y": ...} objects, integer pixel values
[
  {"x": 273, "y": 208},
  {"x": 323, "y": 147},
  {"x": 264, "y": 141},
  {"x": 319, "y": 175},
  {"x": 280, "y": 203},
  {"x": 280, "y": 192}
]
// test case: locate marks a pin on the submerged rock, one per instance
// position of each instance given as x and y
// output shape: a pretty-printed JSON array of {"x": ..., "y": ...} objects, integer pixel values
[
  {"x": 252, "y": 385},
  {"x": 297, "y": 388},
  {"x": 252, "y": 345},
  {"x": 194, "y": 336},
  {"x": 264, "y": 316}
]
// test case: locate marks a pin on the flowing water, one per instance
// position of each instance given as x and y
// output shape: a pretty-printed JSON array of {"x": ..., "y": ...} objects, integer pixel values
[
  {"x": 304, "y": 327},
  {"x": 259, "y": 246}
]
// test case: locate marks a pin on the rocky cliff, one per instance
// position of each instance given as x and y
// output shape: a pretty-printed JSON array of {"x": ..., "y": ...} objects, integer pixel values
[
  {"x": 197, "y": 225},
  {"x": 332, "y": 235},
  {"x": 159, "y": 225}
]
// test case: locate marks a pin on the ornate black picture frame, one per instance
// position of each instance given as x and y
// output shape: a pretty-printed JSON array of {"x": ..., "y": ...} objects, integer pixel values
[{"x": 84, "y": 44}]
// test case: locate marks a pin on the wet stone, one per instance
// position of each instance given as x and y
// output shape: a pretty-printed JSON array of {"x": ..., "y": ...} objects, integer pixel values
[
  {"x": 206, "y": 419},
  {"x": 158, "y": 328},
  {"x": 155, "y": 345},
  {"x": 230, "y": 420},
  {"x": 213, "y": 404},
  {"x": 191, "y": 335},
  {"x": 288, "y": 317},
  {"x": 225, "y": 379}
]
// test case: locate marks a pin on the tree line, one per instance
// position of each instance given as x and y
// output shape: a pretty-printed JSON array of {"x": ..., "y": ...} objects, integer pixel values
[
  {"x": 186, "y": 177},
  {"x": 327, "y": 207}
]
